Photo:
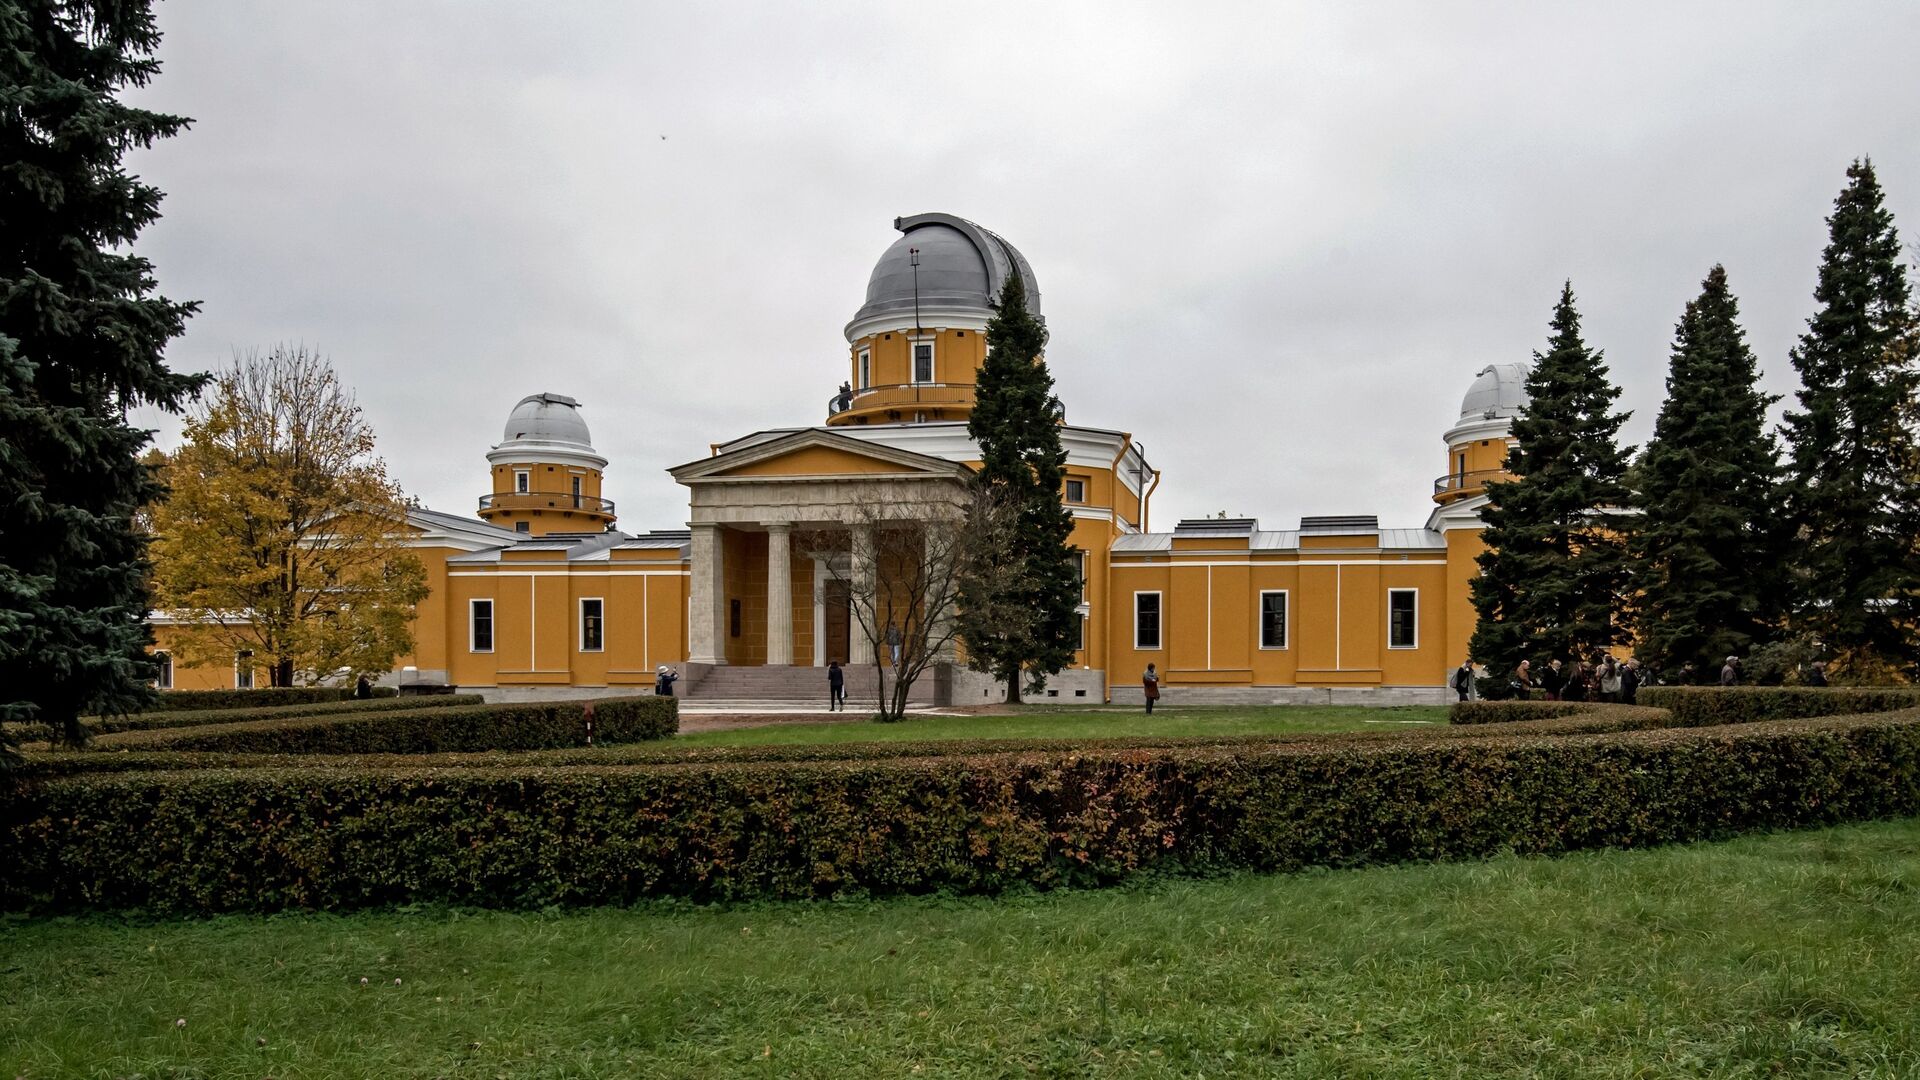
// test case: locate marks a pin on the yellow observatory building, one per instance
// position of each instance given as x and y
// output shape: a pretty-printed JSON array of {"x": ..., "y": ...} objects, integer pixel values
[{"x": 541, "y": 595}]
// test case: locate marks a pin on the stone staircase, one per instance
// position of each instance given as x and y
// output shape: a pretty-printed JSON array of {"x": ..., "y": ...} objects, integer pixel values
[{"x": 762, "y": 686}]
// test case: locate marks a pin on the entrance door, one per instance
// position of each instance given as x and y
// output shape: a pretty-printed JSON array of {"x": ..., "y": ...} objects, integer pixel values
[{"x": 839, "y": 618}]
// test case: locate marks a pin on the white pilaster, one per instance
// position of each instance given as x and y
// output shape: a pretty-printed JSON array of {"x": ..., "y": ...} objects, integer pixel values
[
  {"x": 779, "y": 595},
  {"x": 863, "y": 597}
]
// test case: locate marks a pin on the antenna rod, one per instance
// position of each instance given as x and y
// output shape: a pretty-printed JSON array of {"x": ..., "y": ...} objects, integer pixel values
[{"x": 913, "y": 260}]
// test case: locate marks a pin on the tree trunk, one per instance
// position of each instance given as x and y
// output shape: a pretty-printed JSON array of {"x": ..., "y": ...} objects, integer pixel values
[
  {"x": 1013, "y": 688},
  {"x": 282, "y": 672}
]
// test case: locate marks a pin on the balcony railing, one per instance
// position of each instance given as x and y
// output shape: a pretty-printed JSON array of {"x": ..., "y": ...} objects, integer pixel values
[
  {"x": 900, "y": 395},
  {"x": 546, "y": 500},
  {"x": 1466, "y": 481}
]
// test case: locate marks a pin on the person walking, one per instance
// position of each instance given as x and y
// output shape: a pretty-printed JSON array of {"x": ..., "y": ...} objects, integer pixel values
[
  {"x": 1522, "y": 682},
  {"x": 1150, "y": 686},
  {"x": 893, "y": 642},
  {"x": 1610, "y": 680},
  {"x": 1817, "y": 676},
  {"x": 1462, "y": 681},
  {"x": 836, "y": 687},
  {"x": 1553, "y": 680},
  {"x": 1629, "y": 681},
  {"x": 663, "y": 679},
  {"x": 1730, "y": 674}
]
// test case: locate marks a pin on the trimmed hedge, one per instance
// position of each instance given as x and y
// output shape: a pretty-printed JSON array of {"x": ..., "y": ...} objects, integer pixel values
[
  {"x": 1704, "y": 706},
  {"x": 107, "y": 725},
  {"x": 1598, "y": 719},
  {"x": 531, "y": 726},
  {"x": 260, "y": 697},
  {"x": 1514, "y": 710},
  {"x": 219, "y": 840}
]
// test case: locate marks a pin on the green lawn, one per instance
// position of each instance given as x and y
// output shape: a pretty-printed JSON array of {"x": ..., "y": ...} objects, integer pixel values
[
  {"x": 1091, "y": 722},
  {"x": 1790, "y": 954}
]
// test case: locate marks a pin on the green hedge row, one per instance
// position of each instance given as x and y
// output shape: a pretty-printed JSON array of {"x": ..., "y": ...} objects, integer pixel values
[
  {"x": 1703, "y": 706},
  {"x": 259, "y": 697},
  {"x": 1597, "y": 719},
  {"x": 107, "y": 725},
  {"x": 1513, "y": 710},
  {"x": 530, "y": 726},
  {"x": 218, "y": 840}
]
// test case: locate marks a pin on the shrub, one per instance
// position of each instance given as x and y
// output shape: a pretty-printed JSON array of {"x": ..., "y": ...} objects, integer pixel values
[
  {"x": 1704, "y": 706},
  {"x": 530, "y": 726},
  {"x": 260, "y": 697},
  {"x": 519, "y": 836},
  {"x": 1511, "y": 711},
  {"x": 107, "y": 725}
]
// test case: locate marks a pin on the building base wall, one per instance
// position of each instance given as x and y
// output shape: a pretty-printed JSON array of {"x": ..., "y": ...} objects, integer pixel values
[
  {"x": 1074, "y": 686},
  {"x": 1288, "y": 695},
  {"x": 514, "y": 695}
]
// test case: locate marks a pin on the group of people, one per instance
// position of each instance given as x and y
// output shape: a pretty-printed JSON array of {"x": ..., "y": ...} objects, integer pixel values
[{"x": 1606, "y": 679}]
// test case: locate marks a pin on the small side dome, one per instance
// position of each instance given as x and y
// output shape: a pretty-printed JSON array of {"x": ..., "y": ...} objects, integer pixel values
[
  {"x": 1499, "y": 391},
  {"x": 551, "y": 419}
]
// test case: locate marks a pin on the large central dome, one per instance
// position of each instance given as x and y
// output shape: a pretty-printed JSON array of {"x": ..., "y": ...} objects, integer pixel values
[{"x": 962, "y": 270}]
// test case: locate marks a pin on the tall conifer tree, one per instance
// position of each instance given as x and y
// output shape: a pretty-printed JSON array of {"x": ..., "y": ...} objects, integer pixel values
[
  {"x": 1554, "y": 573},
  {"x": 1707, "y": 554},
  {"x": 1016, "y": 422},
  {"x": 1853, "y": 468},
  {"x": 81, "y": 336}
]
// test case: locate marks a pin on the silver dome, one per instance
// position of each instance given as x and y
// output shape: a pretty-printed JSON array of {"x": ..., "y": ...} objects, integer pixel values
[
  {"x": 1501, "y": 390},
  {"x": 552, "y": 419},
  {"x": 962, "y": 270}
]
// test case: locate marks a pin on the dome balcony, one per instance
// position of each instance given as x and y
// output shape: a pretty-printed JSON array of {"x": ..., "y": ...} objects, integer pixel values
[
  {"x": 898, "y": 402},
  {"x": 544, "y": 500}
]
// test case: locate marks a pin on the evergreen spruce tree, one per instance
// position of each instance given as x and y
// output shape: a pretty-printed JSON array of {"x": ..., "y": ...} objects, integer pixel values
[
  {"x": 81, "y": 336},
  {"x": 1852, "y": 468},
  {"x": 1707, "y": 550},
  {"x": 1554, "y": 573},
  {"x": 1016, "y": 423}
]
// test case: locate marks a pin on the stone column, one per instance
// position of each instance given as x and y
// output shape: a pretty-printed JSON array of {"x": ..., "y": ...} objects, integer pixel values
[
  {"x": 707, "y": 598},
  {"x": 779, "y": 595},
  {"x": 862, "y": 597}
]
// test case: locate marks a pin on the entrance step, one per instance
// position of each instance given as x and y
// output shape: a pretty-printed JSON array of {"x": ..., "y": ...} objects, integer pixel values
[{"x": 730, "y": 683}]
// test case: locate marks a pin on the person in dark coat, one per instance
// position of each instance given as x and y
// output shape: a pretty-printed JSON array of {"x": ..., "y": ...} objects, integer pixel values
[
  {"x": 836, "y": 687},
  {"x": 1629, "y": 681},
  {"x": 1554, "y": 679},
  {"x": 1150, "y": 686},
  {"x": 1817, "y": 676},
  {"x": 1730, "y": 674},
  {"x": 1462, "y": 681},
  {"x": 663, "y": 681},
  {"x": 363, "y": 689}
]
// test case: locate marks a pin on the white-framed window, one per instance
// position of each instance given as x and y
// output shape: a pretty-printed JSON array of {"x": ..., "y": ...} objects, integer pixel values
[
  {"x": 243, "y": 670},
  {"x": 1076, "y": 491},
  {"x": 1146, "y": 621},
  {"x": 1080, "y": 571},
  {"x": 922, "y": 359},
  {"x": 479, "y": 626},
  {"x": 522, "y": 481},
  {"x": 593, "y": 624},
  {"x": 162, "y": 670},
  {"x": 576, "y": 493},
  {"x": 1273, "y": 618},
  {"x": 1403, "y": 618},
  {"x": 866, "y": 369}
]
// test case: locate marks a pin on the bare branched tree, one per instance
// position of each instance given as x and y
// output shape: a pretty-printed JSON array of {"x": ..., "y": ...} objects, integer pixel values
[{"x": 902, "y": 579}]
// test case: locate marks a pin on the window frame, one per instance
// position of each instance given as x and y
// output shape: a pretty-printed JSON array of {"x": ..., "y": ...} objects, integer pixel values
[
  {"x": 602, "y": 616},
  {"x": 1414, "y": 622},
  {"x": 1068, "y": 486},
  {"x": 523, "y": 481},
  {"x": 1286, "y": 619},
  {"x": 913, "y": 361},
  {"x": 245, "y": 655},
  {"x": 473, "y": 606},
  {"x": 1159, "y": 621},
  {"x": 864, "y": 369}
]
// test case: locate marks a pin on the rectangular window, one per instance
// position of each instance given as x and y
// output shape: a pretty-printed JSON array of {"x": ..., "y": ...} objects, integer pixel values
[
  {"x": 243, "y": 670},
  {"x": 523, "y": 526},
  {"x": 1403, "y": 618},
  {"x": 162, "y": 671},
  {"x": 866, "y": 369},
  {"x": 576, "y": 493},
  {"x": 1146, "y": 620},
  {"x": 1080, "y": 572},
  {"x": 733, "y": 618},
  {"x": 1463, "y": 466},
  {"x": 923, "y": 361},
  {"x": 1273, "y": 619},
  {"x": 1079, "y": 634},
  {"x": 522, "y": 481},
  {"x": 1076, "y": 491},
  {"x": 479, "y": 626},
  {"x": 592, "y": 624}
]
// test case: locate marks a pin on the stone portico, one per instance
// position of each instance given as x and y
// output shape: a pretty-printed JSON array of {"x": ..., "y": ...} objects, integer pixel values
[{"x": 768, "y": 519}]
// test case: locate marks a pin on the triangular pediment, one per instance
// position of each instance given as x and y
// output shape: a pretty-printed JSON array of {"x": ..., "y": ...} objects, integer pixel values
[{"x": 815, "y": 454}]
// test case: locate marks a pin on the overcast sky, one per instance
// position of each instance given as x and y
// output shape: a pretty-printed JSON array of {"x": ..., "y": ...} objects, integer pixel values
[{"x": 1275, "y": 242}]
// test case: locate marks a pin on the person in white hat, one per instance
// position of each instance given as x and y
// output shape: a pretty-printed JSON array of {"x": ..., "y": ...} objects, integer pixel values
[{"x": 663, "y": 679}]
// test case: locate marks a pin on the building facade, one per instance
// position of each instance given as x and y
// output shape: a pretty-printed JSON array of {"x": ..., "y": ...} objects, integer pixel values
[{"x": 539, "y": 593}]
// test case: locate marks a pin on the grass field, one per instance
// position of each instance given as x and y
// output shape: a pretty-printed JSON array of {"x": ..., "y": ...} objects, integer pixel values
[
  {"x": 1790, "y": 954},
  {"x": 1085, "y": 722}
]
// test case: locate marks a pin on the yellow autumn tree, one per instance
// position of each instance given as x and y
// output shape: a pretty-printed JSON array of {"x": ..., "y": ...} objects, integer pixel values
[{"x": 283, "y": 537}]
